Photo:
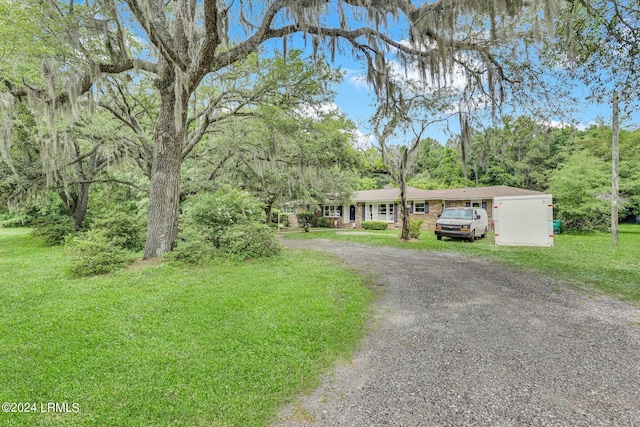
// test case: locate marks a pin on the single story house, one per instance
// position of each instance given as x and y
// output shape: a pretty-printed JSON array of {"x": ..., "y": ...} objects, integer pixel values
[{"x": 383, "y": 204}]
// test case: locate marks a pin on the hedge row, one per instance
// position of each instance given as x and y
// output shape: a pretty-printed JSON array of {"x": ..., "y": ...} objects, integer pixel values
[{"x": 374, "y": 225}]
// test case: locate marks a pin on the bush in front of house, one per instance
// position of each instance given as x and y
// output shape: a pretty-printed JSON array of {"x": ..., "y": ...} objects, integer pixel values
[
  {"x": 284, "y": 219},
  {"x": 374, "y": 225},
  {"x": 227, "y": 223},
  {"x": 94, "y": 252},
  {"x": 212, "y": 213},
  {"x": 305, "y": 218},
  {"x": 415, "y": 228},
  {"x": 324, "y": 222},
  {"x": 249, "y": 240}
]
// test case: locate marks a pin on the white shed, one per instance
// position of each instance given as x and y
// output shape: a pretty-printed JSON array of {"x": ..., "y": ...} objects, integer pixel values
[{"x": 523, "y": 220}]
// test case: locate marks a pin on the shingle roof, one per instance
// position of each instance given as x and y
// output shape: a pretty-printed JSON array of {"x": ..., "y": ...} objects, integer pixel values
[
  {"x": 392, "y": 194},
  {"x": 385, "y": 195}
]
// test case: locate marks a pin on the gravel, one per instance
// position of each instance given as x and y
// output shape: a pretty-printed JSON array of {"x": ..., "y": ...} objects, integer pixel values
[{"x": 458, "y": 341}]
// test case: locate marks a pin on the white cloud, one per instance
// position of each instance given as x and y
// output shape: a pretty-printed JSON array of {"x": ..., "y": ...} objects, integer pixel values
[
  {"x": 455, "y": 79},
  {"x": 317, "y": 111},
  {"x": 363, "y": 140},
  {"x": 359, "y": 81},
  {"x": 556, "y": 124}
]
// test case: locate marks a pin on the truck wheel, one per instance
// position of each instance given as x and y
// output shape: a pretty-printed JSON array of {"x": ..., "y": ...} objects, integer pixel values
[
  {"x": 439, "y": 237},
  {"x": 484, "y": 234},
  {"x": 472, "y": 236}
]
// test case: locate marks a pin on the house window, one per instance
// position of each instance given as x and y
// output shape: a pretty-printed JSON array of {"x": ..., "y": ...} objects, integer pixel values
[
  {"x": 379, "y": 212},
  {"x": 421, "y": 207},
  {"x": 289, "y": 209},
  {"x": 332, "y": 211}
]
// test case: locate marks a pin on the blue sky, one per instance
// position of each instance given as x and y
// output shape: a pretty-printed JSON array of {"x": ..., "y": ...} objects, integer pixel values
[{"x": 356, "y": 99}]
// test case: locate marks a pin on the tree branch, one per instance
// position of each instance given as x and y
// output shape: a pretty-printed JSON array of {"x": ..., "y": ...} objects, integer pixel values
[{"x": 154, "y": 23}]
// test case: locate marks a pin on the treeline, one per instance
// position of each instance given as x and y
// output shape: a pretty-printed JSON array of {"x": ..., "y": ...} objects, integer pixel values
[{"x": 573, "y": 165}]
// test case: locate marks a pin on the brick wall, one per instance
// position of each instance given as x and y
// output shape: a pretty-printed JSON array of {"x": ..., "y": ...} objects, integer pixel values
[
  {"x": 463, "y": 203},
  {"x": 359, "y": 218},
  {"x": 429, "y": 219},
  {"x": 293, "y": 220}
]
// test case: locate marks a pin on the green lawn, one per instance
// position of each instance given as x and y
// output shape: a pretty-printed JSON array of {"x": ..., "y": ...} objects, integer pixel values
[
  {"x": 164, "y": 345},
  {"x": 586, "y": 260}
]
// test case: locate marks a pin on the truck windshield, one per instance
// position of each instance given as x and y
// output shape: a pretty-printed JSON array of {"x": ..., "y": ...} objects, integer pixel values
[{"x": 457, "y": 214}]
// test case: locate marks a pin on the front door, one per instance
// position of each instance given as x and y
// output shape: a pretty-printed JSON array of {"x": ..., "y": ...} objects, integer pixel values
[{"x": 352, "y": 213}]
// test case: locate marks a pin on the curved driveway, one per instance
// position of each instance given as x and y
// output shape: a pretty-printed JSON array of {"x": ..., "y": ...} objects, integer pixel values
[{"x": 464, "y": 342}]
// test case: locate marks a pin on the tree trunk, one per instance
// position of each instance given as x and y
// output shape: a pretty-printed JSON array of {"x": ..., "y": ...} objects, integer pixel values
[
  {"x": 615, "y": 158},
  {"x": 403, "y": 205},
  {"x": 162, "y": 229},
  {"x": 80, "y": 209},
  {"x": 268, "y": 209},
  {"x": 77, "y": 203}
]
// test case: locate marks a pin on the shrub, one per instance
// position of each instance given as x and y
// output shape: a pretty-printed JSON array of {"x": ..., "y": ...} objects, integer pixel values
[
  {"x": 193, "y": 251},
  {"x": 305, "y": 218},
  {"x": 415, "y": 228},
  {"x": 284, "y": 219},
  {"x": 578, "y": 187},
  {"x": 226, "y": 222},
  {"x": 211, "y": 213},
  {"x": 52, "y": 229},
  {"x": 324, "y": 222},
  {"x": 250, "y": 240},
  {"x": 93, "y": 252},
  {"x": 18, "y": 220},
  {"x": 374, "y": 225},
  {"x": 123, "y": 227}
]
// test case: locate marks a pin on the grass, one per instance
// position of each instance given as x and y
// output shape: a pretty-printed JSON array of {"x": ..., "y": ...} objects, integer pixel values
[
  {"x": 221, "y": 345},
  {"x": 586, "y": 260}
]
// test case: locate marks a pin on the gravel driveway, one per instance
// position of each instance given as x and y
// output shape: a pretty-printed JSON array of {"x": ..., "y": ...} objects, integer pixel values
[{"x": 464, "y": 342}]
